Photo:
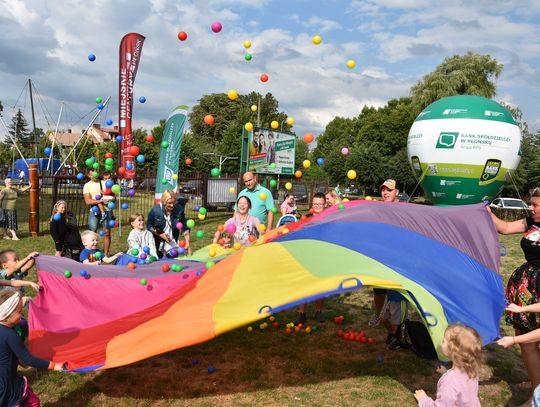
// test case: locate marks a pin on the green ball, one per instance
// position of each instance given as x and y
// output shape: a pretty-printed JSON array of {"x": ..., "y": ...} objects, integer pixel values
[
  {"x": 273, "y": 166},
  {"x": 89, "y": 162},
  {"x": 165, "y": 144},
  {"x": 274, "y": 210},
  {"x": 95, "y": 166},
  {"x": 108, "y": 167},
  {"x": 202, "y": 211},
  {"x": 116, "y": 189},
  {"x": 152, "y": 259},
  {"x": 215, "y": 172},
  {"x": 177, "y": 268},
  {"x": 95, "y": 174},
  {"x": 200, "y": 234},
  {"x": 67, "y": 274},
  {"x": 109, "y": 161},
  {"x": 99, "y": 100},
  {"x": 210, "y": 264},
  {"x": 248, "y": 56},
  {"x": 134, "y": 252},
  {"x": 341, "y": 206},
  {"x": 164, "y": 181},
  {"x": 273, "y": 183},
  {"x": 190, "y": 223},
  {"x": 98, "y": 255},
  {"x": 143, "y": 281}
]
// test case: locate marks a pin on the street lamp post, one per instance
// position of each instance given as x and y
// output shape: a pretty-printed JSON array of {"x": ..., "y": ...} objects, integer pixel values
[{"x": 222, "y": 159}]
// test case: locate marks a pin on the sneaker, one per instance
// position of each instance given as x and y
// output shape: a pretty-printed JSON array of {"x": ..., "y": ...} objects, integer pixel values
[
  {"x": 395, "y": 344},
  {"x": 389, "y": 338},
  {"x": 301, "y": 319},
  {"x": 375, "y": 320},
  {"x": 319, "y": 316}
]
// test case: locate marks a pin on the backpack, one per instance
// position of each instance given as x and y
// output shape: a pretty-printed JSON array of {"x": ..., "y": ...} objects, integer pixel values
[{"x": 414, "y": 335}]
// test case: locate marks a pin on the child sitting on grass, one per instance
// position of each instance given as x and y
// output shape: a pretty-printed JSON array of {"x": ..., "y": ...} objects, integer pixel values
[
  {"x": 459, "y": 385},
  {"x": 12, "y": 267},
  {"x": 88, "y": 254},
  {"x": 15, "y": 390}
]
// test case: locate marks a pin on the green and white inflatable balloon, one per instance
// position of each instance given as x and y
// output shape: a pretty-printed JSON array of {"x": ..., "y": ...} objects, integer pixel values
[{"x": 463, "y": 149}]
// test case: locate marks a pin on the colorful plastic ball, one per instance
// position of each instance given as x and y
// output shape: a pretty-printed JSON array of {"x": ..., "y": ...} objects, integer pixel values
[
  {"x": 119, "y": 139},
  {"x": 109, "y": 122},
  {"x": 262, "y": 227},
  {"x": 262, "y": 196},
  {"x": 320, "y": 161},
  {"x": 190, "y": 223},
  {"x": 273, "y": 183},
  {"x": 149, "y": 138},
  {"x": 143, "y": 256},
  {"x": 115, "y": 189},
  {"x": 175, "y": 177},
  {"x": 47, "y": 150},
  {"x": 274, "y": 124},
  {"x": 125, "y": 205},
  {"x": 203, "y": 211},
  {"x": 95, "y": 166},
  {"x": 298, "y": 174},
  {"x": 134, "y": 150},
  {"x": 308, "y": 137},
  {"x": 290, "y": 121},
  {"x": 109, "y": 183},
  {"x": 264, "y": 77},
  {"x": 80, "y": 176},
  {"x": 232, "y": 94},
  {"x": 253, "y": 108},
  {"x": 151, "y": 259},
  {"x": 288, "y": 186},
  {"x": 129, "y": 165},
  {"x": 306, "y": 163},
  {"x": 181, "y": 251},
  {"x": 98, "y": 255},
  {"x": 100, "y": 106},
  {"x": 108, "y": 155},
  {"x": 201, "y": 217},
  {"x": 142, "y": 99},
  {"x": 179, "y": 225},
  {"x": 164, "y": 181},
  {"x": 101, "y": 233},
  {"x": 141, "y": 261},
  {"x": 273, "y": 166},
  {"x": 200, "y": 234},
  {"x": 182, "y": 36},
  {"x": 110, "y": 205},
  {"x": 248, "y": 126},
  {"x": 351, "y": 64},
  {"x": 143, "y": 281},
  {"x": 247, "y": 44},
  {"x": 146, "y": 249},
  {"x": 91, "y": 57},
  {"x": 67, "y": 274},
  {"x": 237, "y": 246},
  {"x": 134, "y": 252},
  {"x": 131, "y": 265},
  {"x": 89, "y": 162},
  {"x": 248, "y": 56},
  {"x": 166, "y": 268},
  {"x": 83, "y": 273},
  {"x": 211, "y": 369},
  {"x": 316, "y": 39},
  {"x": 188, "y": 161},
  {"x": 232, "y": 190},
  {"x": 212, "y": 252},
  {"x": 131, "y": 192},
  {"x": 215, "y": 172},
  {"x": 341, "y": 206},
  {"x": 112, "y": 223},
  {"x": 173, "y": 252},
  {"x": 274, "y": 210},
  {"x": 57, "y": 217},
  {"x": 99, "y": 100},
  {"x": 351, "y": 174},
  {"x": 230, "y": 229},
  {"x": 140, "y": 158},
  {"x": 209, "y": 119},
  {"x": 216, "y": 26},
  {"x": 344, "y": 151},
  {"x": 209, "y": 264},
  {"x": 95, "y": 174},
  {"x": 164, "y": 144}
]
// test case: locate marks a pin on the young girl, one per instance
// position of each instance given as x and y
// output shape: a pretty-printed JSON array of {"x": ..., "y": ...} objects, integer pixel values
[
  {"x": 245, "y": 226},
  {"x": 459, "y": 385},
  {"x": 15, "y": 390},
  {"x": 140, "y": 237}
]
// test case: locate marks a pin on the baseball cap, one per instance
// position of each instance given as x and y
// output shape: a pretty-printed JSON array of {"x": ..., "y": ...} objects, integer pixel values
[{"x": 389, "y": 183}]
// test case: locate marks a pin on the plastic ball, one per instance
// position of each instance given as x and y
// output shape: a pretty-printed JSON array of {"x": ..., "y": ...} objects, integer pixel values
[
  {"x": 142, "y": 99},
  {"x": 98, "y": 197},
  {"x": 215, "y": 172},
  {"x": 274, "y": 124},
  {"x": 212, "y": 253},
  {"x": 173, "y": 253},
  {"x": 134, "y": 150},
  {"x": 288, "y": 186},
  {"x": 91, "y": 57},
  {"x": 290, "y": 121},
  {"x": 308, "y": 137},
  {"x": 182, "y": 36},
  {"x": 341, "y": 206},
  {"x": 100, "y": 106},
  {"x": 112, "y": 223},
  {"x": 351, "y": 174},
  {"x": 110, "y": 205},
  {"x": 232, "y": 190},
  {"x": 232, "y": 94},
  {"x": 237, "y": 246},
  {"x": 190, "y": 223},
  {"x": 99, "y": 100},
  {"x": 203, "y": 211},
  {"x": 264, "y": 77},
  {"x": 164, "y": 144},
  {"x": 125, "y": 205},
  {"x": 298, "y": 174},
  {"x": 89, "y": 162},
  {"x": 164, "y": 181},
  {"x": 83, "y": 273},
  {"x": 131, "y": 192},
  {"x": 109, "y": 183},
  {"x": 119, "y": 139},
  {"x": 273, "y": 183},
  {"x": 67, "y": 274},
  {"x": 209, "y": 119},
  {"x": 146, "y": 249},
  {"x": 248, "y": 56},
  {"x": 165, "y": 268},
  {"x": 211, "y": 369},
  {"x": 109, "y": 122},
  {"x": 247, "y": 44},
  {"x": 140, "y": 158},
  {"x": 320, "y": 161},
  {"x": 351, "y": 64},
  {"x": 131, "y": 265},
  {"x": 143, "y": 281},
  {"x": 95, "y": 166},
  {"x": 248, "y": 126},
  {"x": 316, "y": 39},
  {"x": 273, "y": 166},
  {"x": 200, "y": 234},
  {"x": 262, "y": 196},
  {"x": 344, "y": 151},
  {"x": 141, "y": 261},
  {"x": 98, "y": 255},
  {"x": 262, "y": 227},
  {"x": 230, "y": 229},
  {"x": 274, "y": 210},
  {"x": 134, "y": 252},
  {"x": 216, "y": 26},
  {"x": 101, "y": 233},
  {"x": 201, "y": 217},
  {"x": 306, "y": 163},
  {"x": 47, "y": 151},
  {"x": 80, "y": 176},
  {"x": 57, "y": 217},
  {"x": 107, "y": 156},
  {"x": 175, "y": 177},
  {"x": 115, "y": 189},
  {"x": 149, "y": 138},
  {"x": 95, "y": 174},
  {"x": 253, "y": 108},
  {"x": 221, "y": 228},
  {"x": 188, "y": 161},
  {"x": 129, "y": 165}
]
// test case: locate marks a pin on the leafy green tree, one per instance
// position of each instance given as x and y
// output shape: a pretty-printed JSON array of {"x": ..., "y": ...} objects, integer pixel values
[
  {"x": 340, "y": 132},
  {"x": 18, "y": 129},
  {"x": 469, "y": 74}
]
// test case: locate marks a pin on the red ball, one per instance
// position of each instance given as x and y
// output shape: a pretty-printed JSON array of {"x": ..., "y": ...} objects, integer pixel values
[
  {"x": 370, "y": 340},
  {"x": 276, "y": 325},
  {"x": 165, "y": 268},
  {"x": 221, "y": 242},
  {"x": 131, "y": 266},
  {"x": 188, "y": 161},
  {"x": 108, "y": 191},
  {"x": 340, "y": 332},
  {"x": 149, "y": 138},
  {"x": 121, "y": 170},
  {"x": 312, "y": 211},
  {"x": 182, "y": 243},
  {"x": 209, "y": 119},
  {"x": 252, "y": 238},
  {"x": 134, "y": 150},
  {"x": 264, "y": 77},
  {"x": 182, "y": 36},
  {"x": 108, "y": 155}
]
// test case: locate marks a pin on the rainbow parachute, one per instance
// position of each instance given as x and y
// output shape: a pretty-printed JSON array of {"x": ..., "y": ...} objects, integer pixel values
[{"x": 445, "y": 261}]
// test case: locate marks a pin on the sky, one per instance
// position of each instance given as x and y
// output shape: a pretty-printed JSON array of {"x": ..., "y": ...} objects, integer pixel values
[{"x": 394, "y": 44}]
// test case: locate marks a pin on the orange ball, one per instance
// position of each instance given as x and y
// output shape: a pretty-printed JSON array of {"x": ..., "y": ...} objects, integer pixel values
[
  {"x": 308, "y": 137},
  {"x": 182, "y": 243},
  {"x": 298, "y": 174},
  {"x": 209, "y": 119},
  {"x": 252, "y": 238},
  {"x": 131, "y": 266},
  {"x": 188, "y": 161},
  {"x": 221, "y": 228}
]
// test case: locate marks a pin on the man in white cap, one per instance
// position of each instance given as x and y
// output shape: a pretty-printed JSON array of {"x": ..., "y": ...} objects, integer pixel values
[{"x": 389, "y": 191}]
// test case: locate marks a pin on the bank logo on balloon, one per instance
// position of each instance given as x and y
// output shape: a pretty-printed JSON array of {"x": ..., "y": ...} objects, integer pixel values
[{"x": 447, "y": 140}]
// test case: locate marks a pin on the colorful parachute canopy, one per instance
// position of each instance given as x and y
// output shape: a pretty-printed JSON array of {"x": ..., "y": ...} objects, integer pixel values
[{"x": 443, "y": 260}]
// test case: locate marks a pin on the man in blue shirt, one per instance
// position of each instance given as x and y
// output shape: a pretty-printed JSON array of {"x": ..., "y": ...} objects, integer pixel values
[{"x": 260, "y": 208}]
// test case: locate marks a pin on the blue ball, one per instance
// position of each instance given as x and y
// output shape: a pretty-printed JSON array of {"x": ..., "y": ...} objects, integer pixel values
[
  {"x": 140, "y": 158},
  {"x": 380, "y": 359},
  {"x": 93, "y": 159},
  {"x": 112, "y": 223},
  {"x": 101, "y": 233},
  {"x": 83, "y": 273},
  {"x": 57, "y": 217},
  {"x": 100, "y": 106},
  {"x": 119, "y": 139},
  {"x": 110, "y": 205},
  {"x": 95, "y": 209},
  {"x": 146, "y": 249},
  {"x": 80, "y": 176},
  {"x": 320, "y": 161},
  {"x": 141, "y": 261},
  {"x": 47, "y": 151},
  {"x": 142, "y": 99},
  {"x": 129, "y": 165},
  {"x": 109, "y": 122},
  {"x": 181, "y": 251},
  {"x": 125, "y": 205},
  {"x": 109, "y": 183},
  {"x": 91, "y": 57},
  {"x": 211, "y": 369}
]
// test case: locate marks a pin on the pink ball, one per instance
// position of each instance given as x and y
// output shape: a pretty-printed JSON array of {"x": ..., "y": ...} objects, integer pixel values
[
  {"x": 230, "y": 229},
  {"x": 216, "y": 26},
  {"x": 344, "y": 151},
  {"x": 179, "y": 225}
]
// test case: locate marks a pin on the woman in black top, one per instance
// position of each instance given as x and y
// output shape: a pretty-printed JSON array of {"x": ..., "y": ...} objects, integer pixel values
[
  {"x": 65, "y": 232},
  {"x": 523, "y": 286}
]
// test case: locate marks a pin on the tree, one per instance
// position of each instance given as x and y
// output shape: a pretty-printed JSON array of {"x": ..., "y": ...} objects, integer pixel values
[
  {"x": 470, "y": 74},
  {"x": 340, "y": 132},
  {"x": 18, "y": 129}
]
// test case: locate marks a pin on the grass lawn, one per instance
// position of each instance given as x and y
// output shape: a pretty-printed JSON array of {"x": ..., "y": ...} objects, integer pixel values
[{"x": 268, "y": 367}]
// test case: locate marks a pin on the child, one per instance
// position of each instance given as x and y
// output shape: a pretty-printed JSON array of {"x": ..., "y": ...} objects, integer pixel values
[
  {"x": 106, "y": 194},
  {"x": 459, "y": 385},
  {"x": 15, "y": 390},
  {"x": 88, "y": 254},
  {"x": 140, "y": 237},
  {"x": 393, "y": 313},
  {"x": 12, "y": 267}
]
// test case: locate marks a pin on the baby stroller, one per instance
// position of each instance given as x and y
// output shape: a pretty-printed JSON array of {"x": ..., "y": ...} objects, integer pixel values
[{"x": 286, "y": 219}]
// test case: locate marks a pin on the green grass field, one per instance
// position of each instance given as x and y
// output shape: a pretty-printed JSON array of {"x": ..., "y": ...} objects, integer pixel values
[{"x": 270, "y": 368}]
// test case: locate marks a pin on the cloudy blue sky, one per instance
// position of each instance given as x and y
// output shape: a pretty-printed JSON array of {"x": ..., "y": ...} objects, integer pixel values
[{"x": 393, "y": 42}]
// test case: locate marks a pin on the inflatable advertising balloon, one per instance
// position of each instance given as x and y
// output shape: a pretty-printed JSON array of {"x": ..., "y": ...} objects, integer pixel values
[{"x": 463, "y": 149}]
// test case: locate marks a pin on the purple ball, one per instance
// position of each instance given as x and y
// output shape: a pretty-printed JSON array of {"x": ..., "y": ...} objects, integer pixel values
[
  {"x": 131, "y": 192},
  {"x": 197, "y": 207},
  {"x": 173, "y": 253},
  {"x": 143, "y": 256}
]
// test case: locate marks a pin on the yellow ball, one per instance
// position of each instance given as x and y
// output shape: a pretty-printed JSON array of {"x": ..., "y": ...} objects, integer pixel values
[
  {"x": 250, "y": 329},
  {"x": 212, "y": 253},
  {"x": 262, "y": 227},
  {"x": 202, "y": 217},
  {"x": 316, "y": 39},
  {"x": 274, "y": 124},
  {"x": 247, "y": 44},
  {"x": 175, "y": 176},
  {"x": 253, "y": 108},
  {"x": 288, "y": 186},
  {"x": 272, "y": 318},
  {"x": 262, "y": 196},
  {"x": 290, "y": 121},
  {"x": 232, "y": 94},
  {"x": 351, "y": 64},
  {"x": 232, "y": 190},
  {"x": 248, "y": 126},
  {"x": 345, "y": 200},
  {"x": 237, "y": 246},
  {"x": 351, "y": 174},
  {"x": 306, "y": 163},
  {"x": 368, "y": 198},
  {"x": 285, "y": 231}
]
